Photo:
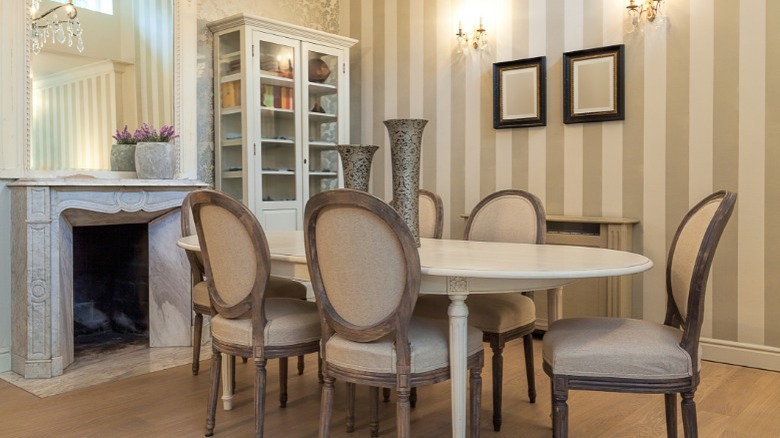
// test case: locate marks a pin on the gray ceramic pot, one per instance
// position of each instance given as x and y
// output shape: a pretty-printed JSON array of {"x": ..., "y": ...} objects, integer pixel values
[
  {"x": 123, "y": 157},
  {"x": 356, "y": 161},
  {"x": 155, "y": 160}
]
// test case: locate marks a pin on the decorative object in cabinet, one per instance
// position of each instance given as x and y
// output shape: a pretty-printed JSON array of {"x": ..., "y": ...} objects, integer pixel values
[{"x": 281, "y": 106}]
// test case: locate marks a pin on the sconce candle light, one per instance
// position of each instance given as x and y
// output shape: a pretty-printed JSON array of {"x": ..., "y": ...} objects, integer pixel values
[
  {"x": 653, "y": 11},
  {"x": 478, "y": 40},
  {"x": 59, "y": 30}
]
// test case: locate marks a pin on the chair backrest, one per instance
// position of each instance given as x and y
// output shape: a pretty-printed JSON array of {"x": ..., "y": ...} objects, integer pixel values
[
  {"x": 507, "y": 216},
  {"x": 364, "y": 267},
  {"x": 431, "y": 214},
  {"x": 689, "y": 262},
  {"x": 236, "y": 256},
  {"x": 187, "y": 229}
]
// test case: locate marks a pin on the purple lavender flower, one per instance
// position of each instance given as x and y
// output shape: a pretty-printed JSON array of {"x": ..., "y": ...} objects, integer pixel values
[
  {"x": 146, "y": 133},
  {"x": 124, "y": 137}
]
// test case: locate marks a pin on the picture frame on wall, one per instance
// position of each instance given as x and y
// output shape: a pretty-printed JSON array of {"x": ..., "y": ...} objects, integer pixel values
[
  {"x": 593, "y": 85},
  {"x": 520, "y": 93}
]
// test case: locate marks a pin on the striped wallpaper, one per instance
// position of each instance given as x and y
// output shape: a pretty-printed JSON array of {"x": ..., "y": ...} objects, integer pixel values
[{"x": 702, "y": 114}]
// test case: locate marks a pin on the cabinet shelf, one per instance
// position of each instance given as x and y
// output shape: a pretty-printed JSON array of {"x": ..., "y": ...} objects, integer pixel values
[
  {"x": 276, "y": 80},
  {"x": 232, "y": 174},
  {"x": 278, "y": 111},
  {"x": 278, "y": 172},
  {"x": 324, "y": 174},
  {"x": 322, "y": 117},
  {"x": 316, "y": 89},
  {"x": 230, "y": 110},
  {"x": 228, "y": 57},
  {"x": 277, "y": 141},
  {"x": 231, "y": 142},
  {"x": 322, "y": 144},
  {"x": 230, "y": 78}
]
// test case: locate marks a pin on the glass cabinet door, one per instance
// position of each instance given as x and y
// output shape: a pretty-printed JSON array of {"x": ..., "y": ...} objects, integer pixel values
[
  {"x": 279, "y": 163},
  {"x": 321, "y": 119},
  {"x": 229, "y": 128}
]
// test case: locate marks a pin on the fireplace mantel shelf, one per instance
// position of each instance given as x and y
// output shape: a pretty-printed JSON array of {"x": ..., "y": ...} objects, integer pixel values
[{"x": 106, "y": 182}]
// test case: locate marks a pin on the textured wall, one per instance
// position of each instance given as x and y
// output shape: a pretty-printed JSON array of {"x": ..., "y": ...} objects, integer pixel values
[
  {"x": 316, "y": 14},
  {"x": 702, "y": 114}
]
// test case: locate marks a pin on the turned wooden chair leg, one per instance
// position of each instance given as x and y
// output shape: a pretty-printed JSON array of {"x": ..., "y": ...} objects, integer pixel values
[
  {"x": 319, "y": 369},
  {"x": 216, "y": 369},
  {"x": 196, "y": 339},
  {"x": 350, "y": 407},
  {"x": 690, "y": 426},
  {"x": 300, "y": 365},
  {"x": 528, "y": 346},
  {"x": 497, "y": 345},
  {"x": 560, "y": 410},
  {"x": 373, "y": 422},
  {"x": 282, "y": 382},
  {"x": 386, "y": 394},
  {"x": 326, "y": 406},
  {"x": 403, "y": 416},
  {"x": 475, "y": 398},
  {"x": 670, "y": 400},
  {"x": 259, "y": 396},
  {"x": 232, "y": 361}
]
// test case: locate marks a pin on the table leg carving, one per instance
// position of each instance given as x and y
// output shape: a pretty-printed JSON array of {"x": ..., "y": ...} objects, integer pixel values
[{"x": 458, "y": 312}]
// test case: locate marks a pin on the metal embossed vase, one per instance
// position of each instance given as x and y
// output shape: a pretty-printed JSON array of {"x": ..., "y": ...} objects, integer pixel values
[
  {"x": 405, "y": 145},
  {"x": 356, "y": 161}
]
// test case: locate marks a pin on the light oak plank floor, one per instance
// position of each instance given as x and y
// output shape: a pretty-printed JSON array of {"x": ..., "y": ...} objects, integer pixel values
[{"x": 732, "y": 401}]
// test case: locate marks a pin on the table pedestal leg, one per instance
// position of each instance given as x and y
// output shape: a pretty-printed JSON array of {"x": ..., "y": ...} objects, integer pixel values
[
  {"x": 227, "y": 383},
  {"x": 458, "y": 313},
  {"x": 554, "y": 305}
]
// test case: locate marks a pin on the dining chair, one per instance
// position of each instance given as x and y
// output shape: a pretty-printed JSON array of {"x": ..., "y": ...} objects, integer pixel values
[
  {"x": 245, "y": 322},
  {"x": 504, "y": 216},
  {"x": 630, "y": 355},
  {"x": 365, "y": 269},
  {"x": 201, "y": 304}
]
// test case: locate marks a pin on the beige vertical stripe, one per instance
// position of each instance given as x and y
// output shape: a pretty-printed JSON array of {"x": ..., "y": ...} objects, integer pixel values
[
  {"x": 554, "y": 170},
  {"x": 444, "y": 47},
  {"x": 700, "y": 103},
  {"x": 503, "y": 43},
  {"x": 725, "y": 165},
  {"x": 537, "y": 137},
  {"x": 402, "y": 59},
  {"x": 471, "y": 165},
  {"x": 752, "y": 89},
  {"x": 612, "y": 133},
  {"x": 573, "y": 29},
  {"x": 429, "y": 95},
  {"x": 654, "y": 173},
  {"x": 416, "y": 58},
  {"x": 772, "y": 191},
  {"x": 390, "y": 89},
  {"x": 592, "y": 36},
  {"x": 487, "y": 135}
]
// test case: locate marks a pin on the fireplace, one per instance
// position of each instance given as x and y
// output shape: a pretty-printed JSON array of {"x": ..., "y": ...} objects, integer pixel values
[{"x": 47, "y": 218}]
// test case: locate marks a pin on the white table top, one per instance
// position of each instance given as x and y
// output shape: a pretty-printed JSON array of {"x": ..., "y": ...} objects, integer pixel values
[{"x": 496, "y": 260}]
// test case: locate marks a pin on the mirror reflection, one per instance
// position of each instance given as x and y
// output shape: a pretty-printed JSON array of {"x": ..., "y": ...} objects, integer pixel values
[{"x": 124, "y": 76}]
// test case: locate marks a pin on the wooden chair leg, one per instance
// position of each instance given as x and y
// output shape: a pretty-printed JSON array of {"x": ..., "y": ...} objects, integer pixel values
[
  {"x": 528, "y": 346},
  {"x": 196, "y": 339},
  {"x": 211, "y": 410},
  {"x": 497, "y": 345},
  {"x": 259, "y": 396},
  {"x": 670, "y": 400},
  {"x": 319, "y": 369},
  {"x": 350, "y": 407},
  {"x": 560, "y": 410},
  {"x": 690, "y": 426},
  {"x": 475, "y": 399},
  {"x": 403, "y": 414},
  {"x": 282, "y": 382},
  {"x": 300, "y": 365},
  {"x": 386, "y": 394},
  {"x": 326, "y": 406},
  {"x": 373, "y": 422},
  {"x": 232, "y": 361},
  {"x": 413, "y": 398}
]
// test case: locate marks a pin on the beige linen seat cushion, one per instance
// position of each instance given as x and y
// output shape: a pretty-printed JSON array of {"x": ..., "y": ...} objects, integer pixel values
[
  {"x": 200, "y": 294},
  {"x": 495, "y": 313},
  {"x": 277, "y": 287},
  {"x": 428, "y": 340},
  {"x": 615, "y": 347},
  {"x": 289, "y": 322}
]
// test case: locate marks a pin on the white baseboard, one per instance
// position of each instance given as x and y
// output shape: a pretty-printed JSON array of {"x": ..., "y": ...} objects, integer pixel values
[
  {"x": 737, "y": 353},
  {"x": 5, "y": 360}
]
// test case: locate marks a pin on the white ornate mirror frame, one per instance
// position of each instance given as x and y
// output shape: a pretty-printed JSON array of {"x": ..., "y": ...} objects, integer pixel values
[{"x": 15, "y": 92}]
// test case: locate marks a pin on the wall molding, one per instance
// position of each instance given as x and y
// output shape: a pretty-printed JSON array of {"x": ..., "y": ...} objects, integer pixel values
[{"x": 738, "y": 353}]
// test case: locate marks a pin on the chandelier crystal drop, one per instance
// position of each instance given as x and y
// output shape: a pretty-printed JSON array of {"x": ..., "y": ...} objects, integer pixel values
[{"x": 49, "y": 25}]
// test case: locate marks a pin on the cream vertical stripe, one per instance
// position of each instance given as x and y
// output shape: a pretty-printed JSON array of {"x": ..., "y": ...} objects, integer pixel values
[
  {"x": 367, "y": 76},
  {"x": 612, "y": 133},
  {"x": 472, "y": 164},
  {"x": 443, "y": 112},
  {"x": 391, "y": 82},
  {"x": 752, "y": 88},
  {"x": 572, "y": 134},
  {"x": 772, "y": 190},
  {"x": 503, "y": 47},
  {"x": 700, "y": 104},
  {"x": 416, "y": 73},
  {"x": 654, "y": 172},
  {"x": 537, "y": 137}
]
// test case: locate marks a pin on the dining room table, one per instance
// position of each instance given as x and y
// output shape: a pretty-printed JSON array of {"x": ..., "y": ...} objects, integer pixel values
[{"x": 459, "y": 268}]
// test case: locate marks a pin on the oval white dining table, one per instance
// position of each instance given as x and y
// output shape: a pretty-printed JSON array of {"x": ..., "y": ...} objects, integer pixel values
[{"x": 459, "y": 268}]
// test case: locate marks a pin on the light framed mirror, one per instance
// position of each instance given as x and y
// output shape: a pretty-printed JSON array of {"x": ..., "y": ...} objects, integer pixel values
[{"x": 157, "y": 93}]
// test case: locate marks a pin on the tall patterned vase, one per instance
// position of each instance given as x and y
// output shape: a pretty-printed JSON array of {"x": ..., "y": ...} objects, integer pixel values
[
  {"x": 405, "y": 144},
  {"x": 356, "y": 161}
]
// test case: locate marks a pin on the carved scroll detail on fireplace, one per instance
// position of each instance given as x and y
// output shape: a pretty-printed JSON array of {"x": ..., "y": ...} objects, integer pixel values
[{"x": 44, "y": 214}]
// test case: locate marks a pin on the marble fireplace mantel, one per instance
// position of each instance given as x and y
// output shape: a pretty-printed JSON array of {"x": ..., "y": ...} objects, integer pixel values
[{"x": 43, "y": 214}]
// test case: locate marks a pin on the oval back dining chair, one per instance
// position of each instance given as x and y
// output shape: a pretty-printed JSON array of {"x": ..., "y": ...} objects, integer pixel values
[
  {"x": 629, "y": 355},
  {"x": 365, "y": 269},
  {"x": 431, "y": 214},
  {"x": 244, "y": 321},
  {"x": 504, "y": 216}
]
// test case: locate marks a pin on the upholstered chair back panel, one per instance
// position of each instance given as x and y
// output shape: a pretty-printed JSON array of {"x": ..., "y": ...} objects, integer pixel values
[
  {"x": 685, "y": 253},
  {"x": 361, "y": 263},
  {"x": 505, "y": 219},
  {"x": 188, "y": 224},
  {"x": 427, "y": 217},
  {"x": 231, "y": 254}
]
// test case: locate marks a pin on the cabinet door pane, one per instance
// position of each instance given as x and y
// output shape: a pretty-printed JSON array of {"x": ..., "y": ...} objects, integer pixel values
[
  {"x": 230, "y": 130},
  {"x": 277, "y": 121},
  {"x": 322, "y": 120}
]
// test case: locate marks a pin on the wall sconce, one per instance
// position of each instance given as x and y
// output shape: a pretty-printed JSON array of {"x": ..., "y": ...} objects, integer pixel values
[
  {"x": 652, "y": 10},
  {"x": 478, "y": 40}
]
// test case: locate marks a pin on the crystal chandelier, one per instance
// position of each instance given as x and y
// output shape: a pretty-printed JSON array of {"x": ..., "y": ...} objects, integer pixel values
[
  {"x": 48, "y": 24},
  {"x": 653, "y": 11}
]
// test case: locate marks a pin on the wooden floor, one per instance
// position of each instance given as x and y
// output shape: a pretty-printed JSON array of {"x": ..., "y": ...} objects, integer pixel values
[{"x": 732, "y": 401}]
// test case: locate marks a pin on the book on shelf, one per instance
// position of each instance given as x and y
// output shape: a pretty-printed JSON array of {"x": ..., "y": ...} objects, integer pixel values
[
  {"x": 230, "y": 94},
  {"x": 275, "y": 96}
]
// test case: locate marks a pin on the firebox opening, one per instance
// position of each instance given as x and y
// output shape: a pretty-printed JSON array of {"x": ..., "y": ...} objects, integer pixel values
[{"x": 110, "y": 287}]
